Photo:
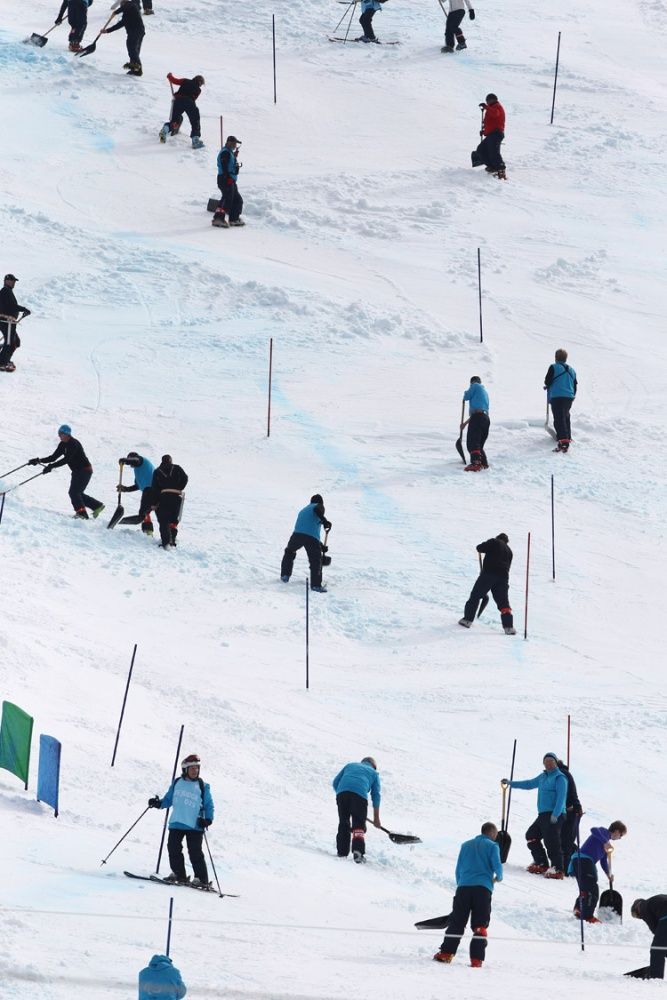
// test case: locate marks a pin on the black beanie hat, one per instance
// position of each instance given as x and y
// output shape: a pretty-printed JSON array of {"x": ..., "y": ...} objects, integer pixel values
[{"x": 316, "y": 498}]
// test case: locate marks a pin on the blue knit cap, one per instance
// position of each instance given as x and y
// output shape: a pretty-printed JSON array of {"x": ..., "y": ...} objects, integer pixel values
[
  {"x": 64, "y": 429},
  {"x": 550, "y": 754}
]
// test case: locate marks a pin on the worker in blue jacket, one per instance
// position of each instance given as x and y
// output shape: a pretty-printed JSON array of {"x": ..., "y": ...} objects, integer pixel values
[
  {"x": 551, "y": 787},
  {"x": 189, "y": 799},
  {"x": 595, "y": 848},
  {"x": 352, "y": 786},
  {"x": 478, "y": 424},
  {"x": 231, "y": 202},
  {"x": 560, "y": 382},
  {"x": 310, "y": 520},
  {"x": 143, "y": 478},
  {"x": 368, "y": 11},
  {"x": 477, "y": 870},
  {"x": 161, "y": 979}
]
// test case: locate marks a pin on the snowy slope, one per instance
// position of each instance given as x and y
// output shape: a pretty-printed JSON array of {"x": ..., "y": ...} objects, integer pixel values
[{"x": 150, "y": 331}]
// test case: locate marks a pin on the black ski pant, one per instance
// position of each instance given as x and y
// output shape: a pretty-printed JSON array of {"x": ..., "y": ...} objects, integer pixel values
[
  {"x": 194, "y": 840},
  {"x": 79, "y": 481},
  {"x": 231, "y": 201},
  {"x": 147, "y": 502},
  {"x": 352, "y": 813},
  {"x": 133, "y": 42},
  {"x": 488, "y": 151},
  {"x": 499, "y": 587},
  {"x": 313, "y": 548},
  {"x": 657, "y": 964},
  {"x": 560, "y": 408},
  {"x": 569, "y": 836},
  {"x": 365, "y": 21},
  {"x": 185, "y": 106},
  {"x": 587, "y": 880},
  {"x": 478, "y": 432},
  {"x": 11, "y": 341},
  {"x": 168, "y": 515},
  {"x": 474, "y": 902},
  {"x": 452, "y": 30},
  {"x": 77, "y": 18},
  {"x": 544, "y": 830}
]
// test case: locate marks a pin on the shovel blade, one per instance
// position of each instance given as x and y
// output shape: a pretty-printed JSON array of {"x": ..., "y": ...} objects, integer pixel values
[
  {"x": 404, "y": 838},
  {"x": 133, "y": 519},
  {"x": 88, "y": 49},
  {"x": 116, "y": 516},
  {"x": 212, "y": 204},
  {"x": 38, "y": 40},
  {"x": 644, "y": 973},
  {"x": 612, "y": 900},
  {"x": 459, "y": 448},
  {"x": 504, "y": 842},
  {"x": 484, "y": 602},
  {"x": 435, "y": 923}
]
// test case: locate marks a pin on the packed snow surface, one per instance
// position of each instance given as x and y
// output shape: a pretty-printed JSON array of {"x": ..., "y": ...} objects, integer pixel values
[{"x": 150, "y": 331}]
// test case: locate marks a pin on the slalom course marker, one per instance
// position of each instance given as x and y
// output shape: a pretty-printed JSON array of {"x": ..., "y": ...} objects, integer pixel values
[
  {"x": 553, "y": 100},
  {"x": 479, "y": 293},
  {"x": 122, "y": 711},
  {"x": 525, "y": 610},
  {"x": 166, "y": 813}
]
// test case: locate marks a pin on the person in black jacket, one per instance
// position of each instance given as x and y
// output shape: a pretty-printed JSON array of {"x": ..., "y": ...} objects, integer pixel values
[
  {"x": 184, "y": 103},
  {"x": 77, "y": 18},
  {"x": 133, "y": 23},
  {"x": 653, "y": 912},
  {"x": 9, "y": 313},
  {"x": 71, "y": 453},
  {"x": 169, "y": 481},
  {"x": 231, "y": 201},
  {"x": 573, "y": 814},
  {"x": 494, "y": 577}
]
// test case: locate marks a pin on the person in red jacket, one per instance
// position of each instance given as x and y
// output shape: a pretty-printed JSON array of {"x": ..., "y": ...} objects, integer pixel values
[
  {"x": 184, "y": 103},
  {"x": 493, "y": 133}
]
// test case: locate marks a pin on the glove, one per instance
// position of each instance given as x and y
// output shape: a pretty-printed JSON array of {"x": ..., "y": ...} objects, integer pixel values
[
  {"x": 203, "y": 824},
  {"x": 47, "y": 468},
  {"x": 504, "y": 781},
  {"x": 33, "y": 461},
  {"x": 325, "y": 548},
  {"x": 26, "y": 312},
  {"x": 170, "y": 77},
  {"x": 327, "y": 525},
  {"x": 553, "y": 819},
  {"x": 123, "y": 489},
  {"x": 481, "y": 133},
  {"x": 58, "y": 20},
  {"x": 482, "y": 105},
  {"x": 155, "y": 802},
  {"x": 471, "y": 14}
]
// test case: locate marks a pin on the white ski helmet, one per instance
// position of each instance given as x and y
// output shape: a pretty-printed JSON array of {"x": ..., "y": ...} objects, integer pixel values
[{"x": 192, "y": 760}]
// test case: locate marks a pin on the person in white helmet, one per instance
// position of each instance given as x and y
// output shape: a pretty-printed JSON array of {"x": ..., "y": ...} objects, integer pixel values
[
  {"x": 191, "y": 804},
  {"x": 453, "y": 33}
]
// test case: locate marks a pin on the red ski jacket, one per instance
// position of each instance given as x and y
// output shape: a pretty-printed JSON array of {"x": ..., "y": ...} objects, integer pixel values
[{"x": 494, "y": 117}]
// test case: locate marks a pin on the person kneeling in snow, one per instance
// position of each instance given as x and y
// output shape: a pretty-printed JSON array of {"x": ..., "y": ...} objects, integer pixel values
[
  {"x": 352, "y": 786},
  {"x": 477, "y": 868},
  {"x": 595, "y": 848},
  {"x": 161, "y": 979},
  {"x": 653, "y": 912},
  {"x": 191, "y": 804}
]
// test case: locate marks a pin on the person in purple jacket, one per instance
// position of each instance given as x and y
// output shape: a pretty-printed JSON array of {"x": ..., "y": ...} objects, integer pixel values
[{"x": 595, "y": 848}]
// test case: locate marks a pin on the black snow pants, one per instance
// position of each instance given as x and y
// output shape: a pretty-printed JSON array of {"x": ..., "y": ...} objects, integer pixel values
[
  {"x": 657, "y": 964},
  {"x": 146, "y": 503},
  {"x": 488, "y": 151},
  {"x": 11, "y": 341},
  {"x": 560, "y": 407},
  {"x": 587, "y": 880},
  {"x": 194, "y": 840},
  {"x": 452, "y": 29},
  {"x": 499, "y": 587},
  {"x": 365, "y": 21},
  {"x": 352, "y": 813},
  {"x": 77, "y": 18},
  {"x": 478, "y": 432},
  {"x": 474, "y": 902},
  {"x": 569, "y": 836},
  {"x": 185, "y": 106},
  {"x": 79, "y": 481},
  {"x": 544, "y": 830},
  {"x": 231, "y": 201},
  {"x": 133, "y": 42},
  {"x": 313, "y": 549},
  {"x": 168, "y": 515}
]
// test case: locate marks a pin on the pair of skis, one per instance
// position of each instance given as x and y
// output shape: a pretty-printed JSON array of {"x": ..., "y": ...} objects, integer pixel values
[{"x": 186, "y": 885}]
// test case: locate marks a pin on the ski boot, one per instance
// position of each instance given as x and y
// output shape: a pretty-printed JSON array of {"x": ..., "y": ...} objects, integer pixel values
[
  {"x": 135, "y": 70},
  {"x": 126, "y": 65},
  {"x": 459, "y": 47},
  {"x": 196, "y": 142},
  {"x": 74, "y": 47},
  {"x": 359, "y": 858},
  {"x": 553, "y": 873},
  {"x": 510, "y": 630},
  {"x": 147, "y": 526},
  {"x": 500, "y": 174},
  {"x": 473, "y": 467},
  {"x": 198, "y": 883},
  {"x": 536, "y": 869},
  {"x": 237, "y": 222},
  {"x": 285, "y": 579},
  {"x": 475, "y": 963},
  {"x": 443, "y": 956},
  {"x": 81, "y": 514},
  {"x": 447, "y": 48},
  {"x": 465, "y": 622},
  {"x": 563, "y": 446},
  {"x": 319, "y": 590},
  {"x": 219, "y": 220},
  {"x": 98, "y": 510},
  {"x": 164, "y": 132},
  {"x": 173, "y": 879}
]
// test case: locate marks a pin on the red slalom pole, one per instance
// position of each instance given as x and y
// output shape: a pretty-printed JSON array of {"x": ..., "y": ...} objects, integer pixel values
[
  {"x": 525, "y": 613},
  {"x": 268, "y": 418}
]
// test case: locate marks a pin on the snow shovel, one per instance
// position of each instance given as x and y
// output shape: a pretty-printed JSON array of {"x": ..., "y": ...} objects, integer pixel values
[
  {"x": 503, "y": 840},
  {"x": 40, "y": 40},
  {"x": 459, "y": 445},
  {"x": 547, "y": 427},
  {"x": 485, "y": 599},
  {"x": 120, "y": 510},
  {"x": 400, "y": 838},
  {"x": 434, "y": 924},
  {"x": 212, "y": 204},
  {"x": 326, "y": 560},
  {"x": 644, "y": 973},
  {"x": 93, "y": 45},
  {"x": 610, "y": 898}
]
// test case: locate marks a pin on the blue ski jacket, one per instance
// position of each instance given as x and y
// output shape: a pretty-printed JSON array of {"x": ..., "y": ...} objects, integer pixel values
[
  {"x": 361, "y": 779},
  {"x": 227, "y": 163},
  {"x": 477, "y": 397},
  {"x": 593, "y": 849},
  {"x": 551, "y": 791},
  {"x": 185, "y": 800},
  {"x": 370, "y": 5},
  {"x": 309, "y": 520},
  {"x": 478, "y": 862},
  {"x": 143, "y": 474},
  {"x": 560, "y": 380},
  {"x": 160, "y": 980}
]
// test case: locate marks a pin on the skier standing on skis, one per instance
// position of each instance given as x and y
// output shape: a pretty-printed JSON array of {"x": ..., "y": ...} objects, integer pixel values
[
  {"x": 477, "y": 869},
  {"x": 493, "y": 133},
  {"x": 551, "y": 787},
  {"x": 9, "y": 313},
  {"x": 478, "y": 424},
  {"x": 573, "y": 814},
  {"x": 191, "y": 804},
  {"x": 143, "y": 480},
  {"x": 77, "y": 18},
  {"x": 133, "y": 23},
  {"x": 161, "y": 979},
  {"x": 352, "y": 785},
  {"x": 184, "y": 103},
  {"x": 231, "y": 201},
  {"x": 169, "y": 481},
  {"x": 453, "y": 32},
  {"x": 560, "y": 382},
  {"x": 494, "y": 577},
  {"x": 309, "y": 522},
  {"x": 653, "y": 911},
  {"x": 595, "y": 848},
  {"x": 70, "y": 452},
  {"x": 368, "y": 11}
]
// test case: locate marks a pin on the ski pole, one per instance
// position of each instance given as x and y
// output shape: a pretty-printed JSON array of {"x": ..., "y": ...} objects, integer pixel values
[
  {"x": 11, "y": 471},
  {"x": 166, "y": 815},
  {"x": 104, "y": 860},
  {"x": 23, "y": 482},
  {"x": 220, "y": 892},
  {"x": 351, "y": 3},
  {"x": 349, "y": 25}
]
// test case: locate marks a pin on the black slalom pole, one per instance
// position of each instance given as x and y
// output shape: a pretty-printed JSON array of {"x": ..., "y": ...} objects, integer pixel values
[
  {"x": 166, "y": 815},
  {"x": 217, "y": 880},
  {"x": 479, "y": 292},
  {"x": 581, "y": 898},
  {"x": 307, "y": 634},
  {"x": 273, "y": 26},
  {"x": 122, "y": 711},
  {"x": 104, "y": 860},
  {"x": 553, "y": 533},
  {"x": 171, "y": 913},
  {"x": 2, "y": 507},
  {"x": 553, "y": 101}
]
